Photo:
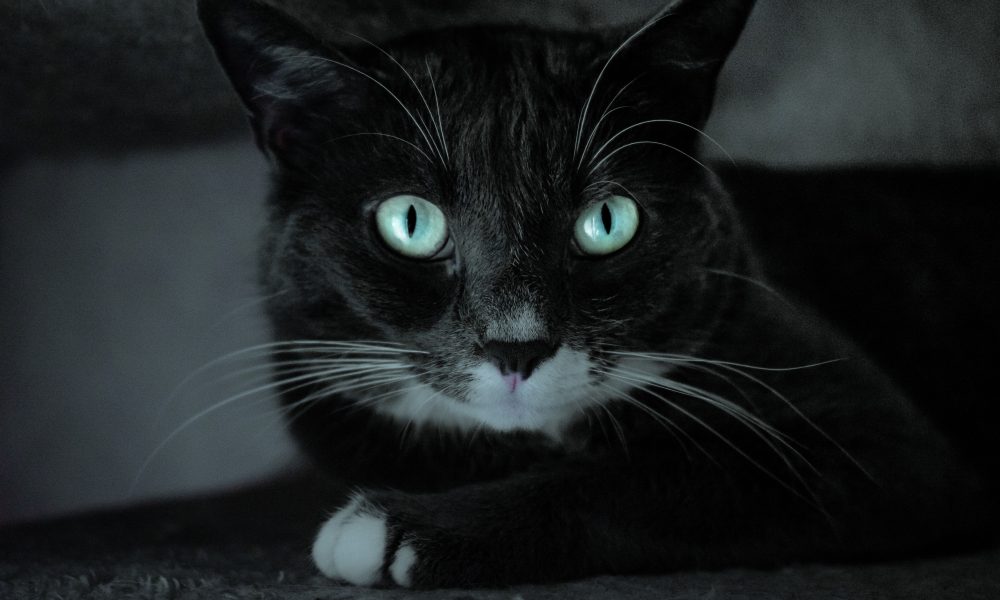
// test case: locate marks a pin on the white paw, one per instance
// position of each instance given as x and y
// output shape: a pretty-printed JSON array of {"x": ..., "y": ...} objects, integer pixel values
[{"x": 351, "y": 546}]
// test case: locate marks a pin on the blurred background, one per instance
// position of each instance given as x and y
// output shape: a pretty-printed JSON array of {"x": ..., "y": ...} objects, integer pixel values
[{"x": 131, "y": 195}]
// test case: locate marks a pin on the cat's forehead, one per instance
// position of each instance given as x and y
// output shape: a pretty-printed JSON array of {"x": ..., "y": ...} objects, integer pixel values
[
  {"x": 508, "y": 102},
  {"x": 501, "y": 83},
  {"x": 512, "y": 148}
]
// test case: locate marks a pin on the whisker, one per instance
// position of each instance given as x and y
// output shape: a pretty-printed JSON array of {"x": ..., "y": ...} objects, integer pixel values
[
  {"x": 617, "y": 426},
  {"x": 729, "y": 380},
  {"x": 279, "y": 416},
  {"x": 802, "y": 416},
  {"x": 752, "y": 421},
  {"x": 284, "y": 368},
  {"x": 597, "y": 152},
  {"x": 608, "y": 111},
  {"x": 256, "y": 301},
  {"x": 652, "y": 143},
  {"x": 590, "y": 97},
  {"x": 755, "y": 425},
  {"x": 385, "y": 135},
  {"x": 288, "y": 346},
  {"x": 750, "y": 280},
  {"x": 416, "y": 87},
  {"x": 664, "y": 421},
  {"x": 737, "y": 368},
  {"x": 681, "y": 358},
  {"x": 426, "y": 404},
  {"x": 291, "y": 412},
  {"x": 734, "y": 447},
  {"x": 377, "y": 344},
  {"x": 360, "y": 384},
  {"x": 287, "y": 366},
  {"x": 420, "y": 129},
  {"x": 307, "y": 378},
  {"x": 437, "y": 106},
  {"x": 615, "y": 183}
]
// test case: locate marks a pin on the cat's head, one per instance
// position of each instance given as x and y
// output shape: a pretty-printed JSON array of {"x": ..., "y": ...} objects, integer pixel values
[{"x": 514, "y": 209}]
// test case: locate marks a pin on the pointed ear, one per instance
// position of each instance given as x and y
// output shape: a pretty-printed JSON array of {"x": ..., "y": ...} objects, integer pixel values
[
  {"x": 695, "y": 35},
  {"x": 679, "y": 52},
  {"x": 286, "y": 78}
]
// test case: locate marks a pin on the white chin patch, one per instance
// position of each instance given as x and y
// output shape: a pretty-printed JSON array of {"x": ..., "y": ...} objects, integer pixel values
[
  {"x": 555, "y": 394},
  {"x": 558, "y": 392}
]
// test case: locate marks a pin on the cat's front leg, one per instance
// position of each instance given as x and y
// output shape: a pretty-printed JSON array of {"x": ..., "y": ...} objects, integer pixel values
[
  {"x": 561, "y": 521},
  {"x": 496, "y": 533},
  {"x": 644, "y": 514},
  {"x": 395, "y": 538}
]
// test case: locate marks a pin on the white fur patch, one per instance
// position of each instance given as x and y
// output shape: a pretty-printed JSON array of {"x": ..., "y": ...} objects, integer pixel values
[
  {"x": 419, "y": 404},
  {"x": 555, "y": 395},
  {"x": 630, "y": 365},
  {"x": 351, "y": 546}
]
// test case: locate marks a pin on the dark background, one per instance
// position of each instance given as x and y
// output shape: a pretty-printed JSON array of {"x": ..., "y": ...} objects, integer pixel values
[{"x": 130, "y": 197}]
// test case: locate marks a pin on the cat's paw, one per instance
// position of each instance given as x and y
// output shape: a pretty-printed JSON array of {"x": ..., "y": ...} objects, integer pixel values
[{"x": 354, "y": 546}]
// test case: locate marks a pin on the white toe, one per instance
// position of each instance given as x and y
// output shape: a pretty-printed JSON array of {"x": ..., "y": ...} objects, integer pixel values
[
  {"x": 359, "y": 552},
  {"x": 401, "y": 565},
  {"x": 328, "y": 536}
]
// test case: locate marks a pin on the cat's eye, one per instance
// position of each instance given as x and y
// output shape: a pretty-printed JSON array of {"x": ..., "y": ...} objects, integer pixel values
[
  {"x": 412, "y": 226},
  {"x": 606, "y": 226}
]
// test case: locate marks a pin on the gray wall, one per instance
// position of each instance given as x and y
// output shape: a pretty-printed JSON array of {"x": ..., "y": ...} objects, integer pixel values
[
  {"x": 120, "y": 278},
  {"x": 122, "y": 272}
]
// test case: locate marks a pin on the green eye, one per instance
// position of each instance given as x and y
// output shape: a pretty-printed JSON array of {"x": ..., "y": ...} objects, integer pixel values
[
  {"x": 411, "y": 226},
  {"x": 607, "y": 225}
]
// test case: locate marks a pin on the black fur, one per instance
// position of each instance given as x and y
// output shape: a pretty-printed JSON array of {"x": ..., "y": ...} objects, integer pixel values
[{"x": 863, "y": 475}]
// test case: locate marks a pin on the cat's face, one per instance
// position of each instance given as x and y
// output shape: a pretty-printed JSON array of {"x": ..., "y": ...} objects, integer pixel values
[{"x": 508, "y": 206}]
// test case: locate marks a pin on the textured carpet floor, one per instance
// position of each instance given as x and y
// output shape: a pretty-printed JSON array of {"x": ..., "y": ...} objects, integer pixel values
[{"x": 254, "y": 544}]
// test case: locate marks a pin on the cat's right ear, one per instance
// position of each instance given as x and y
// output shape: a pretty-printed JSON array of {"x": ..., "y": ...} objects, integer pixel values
[{"x": 287, "y": 79}]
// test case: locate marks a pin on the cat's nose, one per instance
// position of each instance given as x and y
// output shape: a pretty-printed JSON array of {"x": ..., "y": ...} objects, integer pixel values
[{"x": 519, "y": 357}]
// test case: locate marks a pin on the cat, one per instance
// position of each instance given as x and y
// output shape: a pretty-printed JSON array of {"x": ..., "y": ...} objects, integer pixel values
[{"x": 516, "y": 311}]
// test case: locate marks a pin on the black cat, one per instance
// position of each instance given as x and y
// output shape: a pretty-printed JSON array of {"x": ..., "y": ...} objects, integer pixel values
[{"x": 520, "y": 315}]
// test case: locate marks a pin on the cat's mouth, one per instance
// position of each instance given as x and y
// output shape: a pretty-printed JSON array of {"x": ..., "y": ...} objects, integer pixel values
[{"x": 554, "y": 395}]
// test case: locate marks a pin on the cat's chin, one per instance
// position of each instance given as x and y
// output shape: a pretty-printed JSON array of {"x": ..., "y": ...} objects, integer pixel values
[{"x": 512, "y": 412}]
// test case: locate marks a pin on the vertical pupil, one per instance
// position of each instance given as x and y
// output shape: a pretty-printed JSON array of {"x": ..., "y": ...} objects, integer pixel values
[
  {"x": 606, "y": 217},
  {"x": 411, "y": 220}
]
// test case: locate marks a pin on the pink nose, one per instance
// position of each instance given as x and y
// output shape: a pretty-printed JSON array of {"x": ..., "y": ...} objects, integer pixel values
[{"x": 512, "y": 380}]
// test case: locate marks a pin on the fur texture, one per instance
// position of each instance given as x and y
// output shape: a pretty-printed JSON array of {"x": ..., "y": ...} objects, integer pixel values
[{"x": 677, "y": 412}]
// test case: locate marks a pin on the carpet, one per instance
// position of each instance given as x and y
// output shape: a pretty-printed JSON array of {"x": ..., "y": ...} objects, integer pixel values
[{"x": 254, "y": 543}]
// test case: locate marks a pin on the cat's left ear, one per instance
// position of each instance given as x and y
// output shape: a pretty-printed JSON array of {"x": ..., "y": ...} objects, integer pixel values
[{"x": 682, "y": 48}]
